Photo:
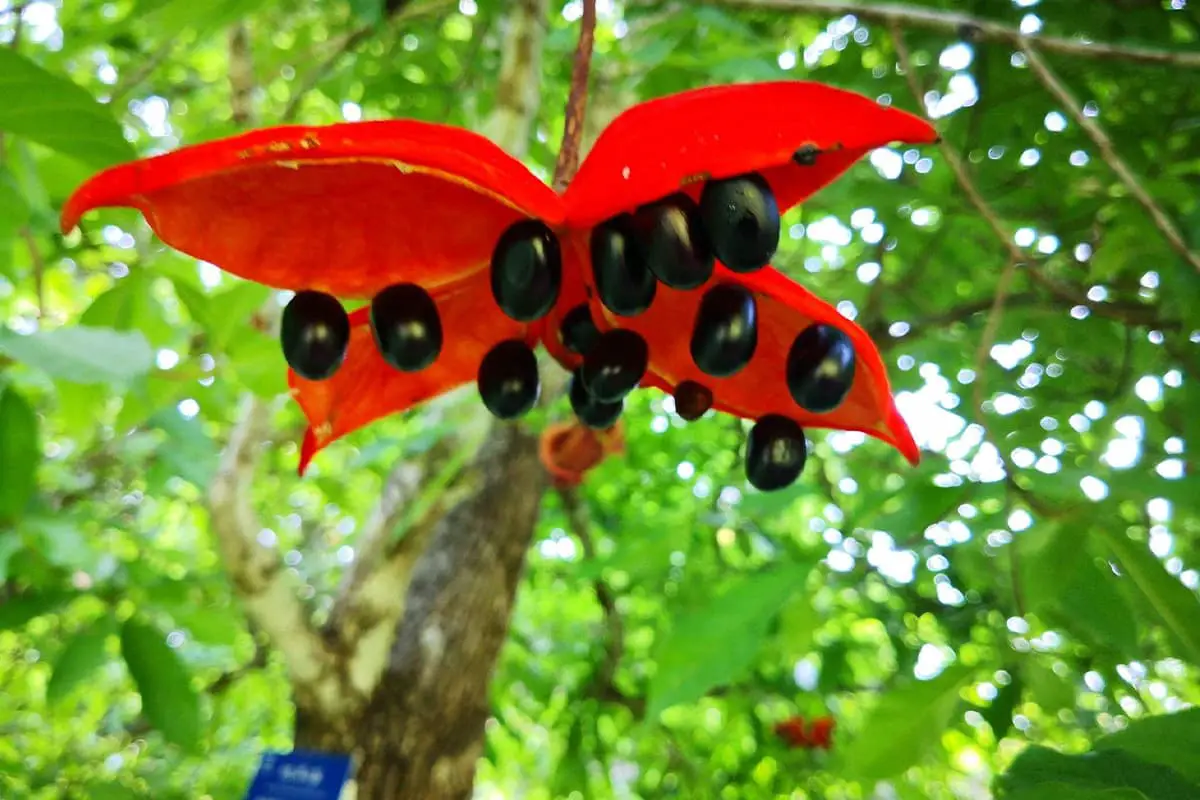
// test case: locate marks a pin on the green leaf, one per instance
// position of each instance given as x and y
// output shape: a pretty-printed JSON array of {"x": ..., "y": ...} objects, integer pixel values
[
  {"x": 904, "y": 727},
  {"x": 176, "y": 15},
  {"x": 1175, "y": 605},
  {"x": 999, "y": 715},
  {"x": 224, "y": 314},
  {"x": 130, "y": 305},
  {"x": 713, "y": 643},
  {"x": 81, "y": 354},
  {"x": 797, "y": 624},
  {"x": 10, "y": 545},
  {"x": 14, "y": 212},
  {"x": 1172, "y": 740},
  {"x": 16, "y": 611},
  {"x": 169, "y": 701},
  {"x": 54, "y": 112},
  {"x": 82, "y": 656},
  {"x": 369, "y": 11},
  {"x": 1051, "y": 692},
  {"x": 20, "y": 453},
  {"x": 1109, "y": 770},
  {"x": 188, "y": 451},
  {"x": 1065, "y": 791},
  {"x": 1064, "y": 584}
]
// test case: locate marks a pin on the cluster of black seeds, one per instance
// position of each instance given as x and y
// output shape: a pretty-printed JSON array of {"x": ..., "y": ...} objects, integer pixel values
[{"x": 675, "y": 241}]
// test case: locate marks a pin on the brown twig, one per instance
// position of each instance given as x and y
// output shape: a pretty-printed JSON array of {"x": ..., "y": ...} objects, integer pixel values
[
  {"x": 977, "y": 28},
  {"x": 568, "y": 153},
  {"x": 1109, "y": 153}
]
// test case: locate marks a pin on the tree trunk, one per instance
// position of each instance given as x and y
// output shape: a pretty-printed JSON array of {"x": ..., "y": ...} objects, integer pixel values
[{"x": 421, "y": 732}]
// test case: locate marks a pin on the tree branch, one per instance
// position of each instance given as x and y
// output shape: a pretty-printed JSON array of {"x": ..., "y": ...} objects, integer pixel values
[
  {"x": 1109, "y": 153},
  {"x": 267, "y": 590},
  {"x": 977, "y": 28}
]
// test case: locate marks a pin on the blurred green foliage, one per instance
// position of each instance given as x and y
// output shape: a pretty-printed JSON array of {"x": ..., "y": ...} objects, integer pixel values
[{"x": 1018, "y": 614}]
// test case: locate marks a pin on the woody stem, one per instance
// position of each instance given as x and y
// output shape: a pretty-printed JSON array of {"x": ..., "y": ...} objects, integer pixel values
[{"x": 568, "y": 153}]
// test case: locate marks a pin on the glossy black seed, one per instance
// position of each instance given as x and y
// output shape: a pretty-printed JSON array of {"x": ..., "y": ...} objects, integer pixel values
[
  {"x": 526, "y": 271},
  {"x": 593, "y": 413},
  {"x": 508, "y": 379},
  {"x": 725, "y": 333},
  {"x": 615, "y": 365},
  {"x": 315, "y": 333},
  {"x": 692, "y": 400},
  {"x": 406, "y": 327},
  {"x": 820, "y": 368},
  {"x": 623, "y": 280},
  {"x": 775, "y": 453},
  {"x": 741, "y": 219},
  {"x": 578, "y": 330},
  {"x": 673, "y": 240},
  {"x": 806, "y": 155}
]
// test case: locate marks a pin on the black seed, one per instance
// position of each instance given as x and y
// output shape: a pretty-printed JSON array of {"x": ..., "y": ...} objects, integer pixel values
[
  {"x": 692, "y": 400},
  {"x": 315, "y": 333},
  {"x": 820, "y": 368},
  {"x": 775, "y": 453},
  {"x": 725, "y": 334},
  {"x": 406, "y": 327},
  {"x": 741, "y": 219},
  {"x": 672, "y": 237},
  {"x": 615, "y": 365},
  {"x": 806, "y": 155},
  {"x": 624, "y": 282},
  {"x": 579, "y": 333},
  {"x": 593, "y": 413},
  {"x": 526, "y": 271},
  {"x": 508, "y": 379}
]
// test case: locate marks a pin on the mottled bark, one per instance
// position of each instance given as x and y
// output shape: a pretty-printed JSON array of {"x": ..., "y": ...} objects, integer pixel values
[{"x": 421, "y": 733}]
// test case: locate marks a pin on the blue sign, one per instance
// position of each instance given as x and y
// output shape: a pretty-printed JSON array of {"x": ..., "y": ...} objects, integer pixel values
[{"x": 300, "y": 775}]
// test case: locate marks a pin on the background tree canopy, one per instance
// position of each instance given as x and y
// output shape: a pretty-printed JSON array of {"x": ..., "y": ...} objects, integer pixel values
[{"x": 1018, "y": 616}]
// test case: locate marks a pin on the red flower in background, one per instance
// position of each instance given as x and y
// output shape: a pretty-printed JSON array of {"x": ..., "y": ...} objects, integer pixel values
[
  {"x": 652, "y": 269},
  {"x": 818, "y": 735}
]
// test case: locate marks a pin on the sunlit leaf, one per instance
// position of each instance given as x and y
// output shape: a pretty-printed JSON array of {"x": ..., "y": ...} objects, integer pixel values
[
  {"x": 83, "y": 655},
  {"x": 715, "y": 642},
  {"x": 169, "y": 700},
  {"x": 57, "y": 113},
  {"x": 80, "y": 354},
  {"x": 20, "y": 453},
  {"x": 905, "y": 725}
]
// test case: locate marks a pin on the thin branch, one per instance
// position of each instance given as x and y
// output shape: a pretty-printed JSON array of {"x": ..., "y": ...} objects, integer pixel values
[
  {"x": 614, "y": 644},
  {"x": 988, "y": 337},
  {"x": 975, "y": 28},
  {"x": 226, "y": 680},
  {"x": 1109, "y": 153},
  {"x": 346, "y": 44},
  {"x": 143, "y": 71},
  {"x": 568, "y": 153}
]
